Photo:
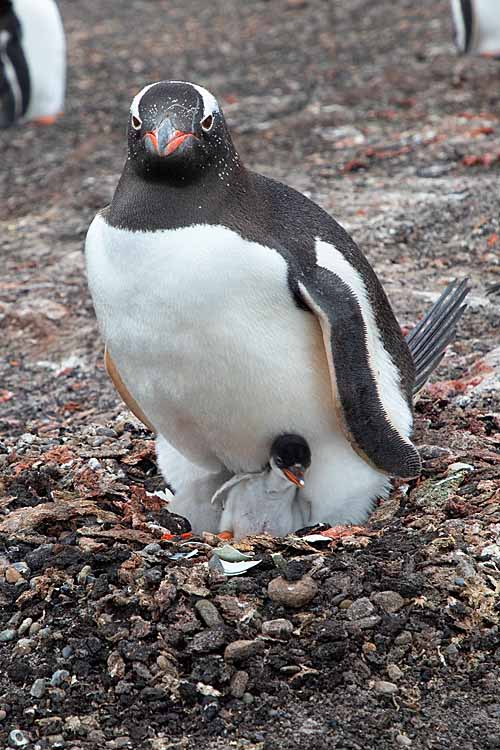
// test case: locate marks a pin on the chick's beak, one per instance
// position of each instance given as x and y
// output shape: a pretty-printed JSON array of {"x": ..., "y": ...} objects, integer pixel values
[
  {"x": 165, "y": 139},
  {"x": 295, "y": 475}
]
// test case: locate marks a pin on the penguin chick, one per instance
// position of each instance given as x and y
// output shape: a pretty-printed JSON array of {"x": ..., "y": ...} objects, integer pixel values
[{"x": 266, "y": 501}]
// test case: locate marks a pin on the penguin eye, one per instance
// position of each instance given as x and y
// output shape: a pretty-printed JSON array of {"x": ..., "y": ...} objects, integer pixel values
[
  {"x": 136, "y": 122},
  {"x": 207, "y": 123}
]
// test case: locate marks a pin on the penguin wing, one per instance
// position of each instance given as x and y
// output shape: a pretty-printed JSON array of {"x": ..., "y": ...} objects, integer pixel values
[
  {"x": 125, "y": 394},
  {"x": 373, "y": 411}
]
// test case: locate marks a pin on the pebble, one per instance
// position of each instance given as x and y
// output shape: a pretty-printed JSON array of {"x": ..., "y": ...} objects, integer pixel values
[
  {"x": 240, "y": 650},
  {"x": 12, "y": 575},
  {"x": 59, "y": 677},
  {"x": 84, "y": 574},
  {"x": 116, "y": 665},
  {"x": 208, "y": 613},
  {"x": 67, "y": 652},
  {"x": 3, "y": 714},
  {"x": 17, "y": 738},
  {"x": 35, "y": 628},
  {"x": 38, "y": 688},
  {"x": 151, "y": 549},
  {"x": 385, "y": 688},
  {"x": 360, "y": 608},
  {"x": 208, "y": 641},
  {"x": 465, "y": 569},
  {"x": 345, "y": 603},
  {"x": 239, "y": 683},
  {"x": 44, "y": 632},
  {"x": 403, "y": 740},
  {"x": 25, "y": 625},
  {"x": 292, "y": 593},
  {"x": 24, "y": 646},
  {"x": 389, "y": 601},
  {"x": 248, "y": 698},
  {"x": 94, "y": 464},
  {"x": 7, "y": 635},
  {"x": 394, "y": 672},
  {"x": 280, "y": 629}
]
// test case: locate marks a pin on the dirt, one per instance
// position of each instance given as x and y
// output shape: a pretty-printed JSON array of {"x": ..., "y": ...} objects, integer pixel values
[{"x": 103, "y": 643}]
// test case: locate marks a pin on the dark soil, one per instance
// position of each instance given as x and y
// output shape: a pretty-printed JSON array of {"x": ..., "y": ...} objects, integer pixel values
[{"x": 103, "y": 643}]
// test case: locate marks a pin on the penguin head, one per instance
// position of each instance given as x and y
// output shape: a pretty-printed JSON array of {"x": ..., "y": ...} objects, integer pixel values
[
  {"x": 177, "y": 131},
  {"x": 291, "y": 458}
]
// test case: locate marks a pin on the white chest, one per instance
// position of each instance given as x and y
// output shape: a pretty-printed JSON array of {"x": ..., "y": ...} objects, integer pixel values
[{"x": 205, "y": 334}]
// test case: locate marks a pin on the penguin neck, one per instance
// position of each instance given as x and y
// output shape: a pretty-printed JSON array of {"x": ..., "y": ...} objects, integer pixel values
[
  {"x": 278, "y": 486},
  {"x": 152, "y": 204}
]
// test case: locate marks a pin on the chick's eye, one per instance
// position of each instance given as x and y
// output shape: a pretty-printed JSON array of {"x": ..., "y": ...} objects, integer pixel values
[
  {"x": 136, "y": 122},
  {"x": 207, "y": 123}
]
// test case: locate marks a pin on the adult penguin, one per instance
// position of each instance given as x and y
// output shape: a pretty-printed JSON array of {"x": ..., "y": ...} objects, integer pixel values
[
  {"x": 32, "y": 62},
  {"x": 234, "y": 309}
]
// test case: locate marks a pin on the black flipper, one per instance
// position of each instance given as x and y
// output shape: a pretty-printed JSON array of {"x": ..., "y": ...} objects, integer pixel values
[
  {"x": 430, "y": 337},
  {"x": 355, "y": 385}
]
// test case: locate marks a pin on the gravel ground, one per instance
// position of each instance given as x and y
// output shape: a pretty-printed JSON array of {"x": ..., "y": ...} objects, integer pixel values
[{"x": 383, "y": 637}]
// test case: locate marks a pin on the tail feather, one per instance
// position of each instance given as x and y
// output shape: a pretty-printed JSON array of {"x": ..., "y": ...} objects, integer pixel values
[{"x": 430, "y": 337}]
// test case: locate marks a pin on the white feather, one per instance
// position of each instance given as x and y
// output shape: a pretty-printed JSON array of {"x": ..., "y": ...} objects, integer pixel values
[
  {"x": 205, "y": 335},
  {"x": 44, "y": 47}
]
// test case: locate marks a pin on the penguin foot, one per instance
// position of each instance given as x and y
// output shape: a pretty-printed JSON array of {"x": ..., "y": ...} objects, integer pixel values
[{"x": 47, "y": 119}]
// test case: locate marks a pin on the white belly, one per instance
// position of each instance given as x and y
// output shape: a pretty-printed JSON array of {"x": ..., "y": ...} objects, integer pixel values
[
  {"x": 45, "y": 51},
  {"x": 203, "y": 330}
]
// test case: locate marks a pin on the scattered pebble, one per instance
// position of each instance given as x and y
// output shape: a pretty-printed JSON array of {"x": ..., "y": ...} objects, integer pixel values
[
  {"x": 59, "y": 677},
  {"x": 208, "y": 613},
  {"x": 389, "y": 601},
  {"x": 385, "y": 688},
  {"x": 38, "y": 688},
  {"x": 240, "y": 650},
  {"x": 360, "y": 608},
  {"x": 17, "y": 738},
  {"x": 394, "y": 672},
  {"x": 7, "y": 635},
  {"x": 25, "y": 625},
  {"x": 280, "y": 629},
  {"x": 292, "y": 594},
  {"x": 239, "y": 682},
  {"x": 403, "y": 740}
]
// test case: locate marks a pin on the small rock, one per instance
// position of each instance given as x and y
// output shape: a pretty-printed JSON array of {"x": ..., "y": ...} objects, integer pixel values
[
  {"x": 364, "y": 623},
  {"x": 12, "y": 575},
  {"x": 94, "y": 464},
  {"x": 84, "y": 574},
  {"x": 24, "y": 646},
  {"x": 59, "y": 677},
  {"x": 385, "y": 688},
  {"x": 240, "y": 650},
  {"x": 35, "y": 628},
  {"x": 25, "y": 626},
  {"x": 116, "y": 665},
  {"x": 151, "y": 549},
  {"x": 3, "y": 714},
  {"x": 208, "y": 613},
  {"x": 280, "y": 629},
  {"x": 292, "y": 593},
  {"x": 345, "y": 603},
  {"x": 239, "y": 683},
  {"x": 7, "y": 635},
  {"x": 492, "y": 550},
  {"x": 38, "y": 688},
  {"x": 248, "y": 698},
  {"x": 459, "y": 581},
  {"x": 208, "y": 641},
  {"x": 360, "y": 608},
  {"x": 67, "y": 652},
  {"x": 389, "y": 601},
  {"x": 465, "y": 569},
  {"x": 17, "y": 738},
  {"x": 394, "y": 672},
  {"x": 403, "y": 740}
]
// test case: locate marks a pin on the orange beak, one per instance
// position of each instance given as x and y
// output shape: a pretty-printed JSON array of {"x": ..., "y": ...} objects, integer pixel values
[{"x": 295, "y": 475}]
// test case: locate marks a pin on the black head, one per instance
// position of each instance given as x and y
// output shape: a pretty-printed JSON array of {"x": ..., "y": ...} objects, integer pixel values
[
  {"x": 177, "y": 131},
  {"x": 292, "y": 456}
]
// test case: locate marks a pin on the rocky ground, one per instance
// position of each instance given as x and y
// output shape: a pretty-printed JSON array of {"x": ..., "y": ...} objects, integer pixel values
[{"x": 381, "y": 637}]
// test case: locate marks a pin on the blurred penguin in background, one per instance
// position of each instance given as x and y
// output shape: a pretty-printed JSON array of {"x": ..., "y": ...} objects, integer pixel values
[
  {"x": 477, "y": 26},
  {"x": 32, "y": 62}
]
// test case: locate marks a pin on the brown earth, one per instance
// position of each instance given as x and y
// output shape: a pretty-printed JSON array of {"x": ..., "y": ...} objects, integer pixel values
[{"x": 365, "y": 107}]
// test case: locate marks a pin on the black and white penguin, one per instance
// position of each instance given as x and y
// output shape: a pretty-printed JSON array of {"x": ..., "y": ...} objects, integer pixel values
[
  {"x": 234, "y": 309},
  {"x": 32, "y": 61},
  {"x": 477, "y": 26},
  {"x": 266, "y": 502}
]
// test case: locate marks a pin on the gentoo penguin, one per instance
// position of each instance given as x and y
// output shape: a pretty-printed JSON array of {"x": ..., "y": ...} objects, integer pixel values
[
  {"x": 235, "y": 309},
  {"x": 266, "y": 502},
  {"x": 477, "y": 26},
  {"x": 32, "y": 61}
]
